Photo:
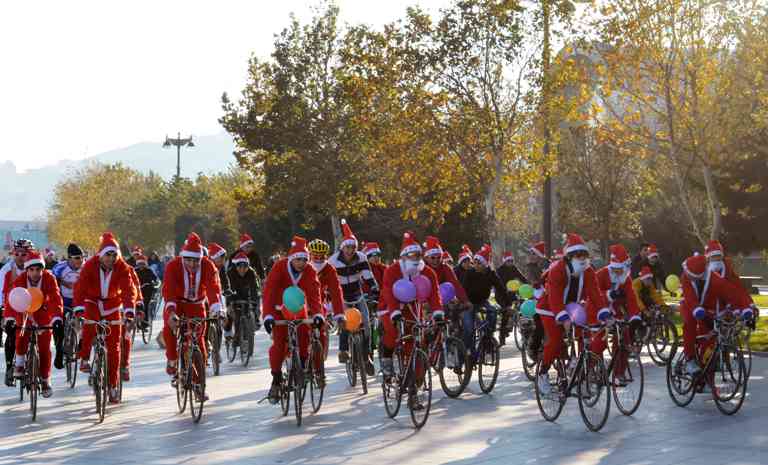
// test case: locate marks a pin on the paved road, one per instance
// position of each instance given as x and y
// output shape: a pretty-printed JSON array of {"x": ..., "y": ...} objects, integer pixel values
[{"x": 501, "y": 428}]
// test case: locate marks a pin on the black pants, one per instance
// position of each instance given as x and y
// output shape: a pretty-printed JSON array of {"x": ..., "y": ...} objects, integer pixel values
[
  {"x": 538, "y": 334},
  {"x": 10, "y": 342}
]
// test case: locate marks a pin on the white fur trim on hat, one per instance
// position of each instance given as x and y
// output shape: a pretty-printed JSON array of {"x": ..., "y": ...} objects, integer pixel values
[
  {"x": 431, "y": 252},
  {"x": 107, "y": 249},
  {"x": 410, "y": 249},
  {"x": 237, "y": 260},
  {"x": 349, "y": 241},
  {"x": 190, "y": 254},
  {"x": 33, "y": 262},
  {"x": 576, "y": 248},
  {"x": 370, "y": 252},
  {"x": 481, "y": 259},
  {"x": 298, "y": 255},
  {"x": 645, "y": 276}
]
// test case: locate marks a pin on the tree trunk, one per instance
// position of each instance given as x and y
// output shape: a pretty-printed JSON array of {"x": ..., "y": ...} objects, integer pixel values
[
  {"x": 714, "y": 203},
  {"x": 336, "y": 228}
]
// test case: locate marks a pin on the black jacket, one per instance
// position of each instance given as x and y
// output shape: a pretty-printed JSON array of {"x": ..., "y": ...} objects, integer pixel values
[
  {"x": 507, "y": 272},
  {"x": 244, "y": 287},
  {"x": 224, "y": 279},
  {"x": 147, "y": 281},
  {"x": 478, "y": 285}
]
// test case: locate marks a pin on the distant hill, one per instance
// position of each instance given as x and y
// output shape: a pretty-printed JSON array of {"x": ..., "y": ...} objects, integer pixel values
[{"x": 26, "y": 196}]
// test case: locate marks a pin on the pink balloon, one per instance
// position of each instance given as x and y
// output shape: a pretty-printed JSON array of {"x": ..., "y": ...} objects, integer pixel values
[
  {"x": 423, "y": 287},
  {"x": 20, "y": 299},
  {"x": 577, "y": 313}
]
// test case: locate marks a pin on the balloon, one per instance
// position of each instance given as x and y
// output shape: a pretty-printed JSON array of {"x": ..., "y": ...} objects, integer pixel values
[
  {"x": 577, "y": 313},
  {"x": 37, "y": 299},
  {"x": 525, "y": 291},
  {"x": 513, "y": 285},
  {"x": 293, "y": 299},
  {"x": 673, "y": 283},
  {"x": 404, "y": 290},
  {"x": 20, "y": 299},
  {"x": 447, "y": 292},
  {"x": 354, "y": 319},
  {"x": 423, "y": 287},
  {"x": 528, "y": 309}
]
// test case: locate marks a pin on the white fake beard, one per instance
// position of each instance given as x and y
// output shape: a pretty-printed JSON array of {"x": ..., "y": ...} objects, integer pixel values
[
  {"x": 411, "y": 268},
  {"x": 717, "y": 267},
  {"x": 579, "y": 266},
  {"x": 318, "y": 265}
]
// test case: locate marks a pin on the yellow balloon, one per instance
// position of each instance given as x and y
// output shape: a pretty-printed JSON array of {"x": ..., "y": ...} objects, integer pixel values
[
  {"x": 513, "y": 285},
  {"x": 673, "y": 283}
]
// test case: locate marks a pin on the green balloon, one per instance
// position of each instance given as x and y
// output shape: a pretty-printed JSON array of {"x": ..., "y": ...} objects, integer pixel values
[
  {"x": 525, "y": 291},
  {"x": 293, "y": 299},
  {"x": 528, "y": 309}
]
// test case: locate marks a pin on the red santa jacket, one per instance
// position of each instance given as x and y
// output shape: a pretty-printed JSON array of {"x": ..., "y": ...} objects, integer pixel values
[
  {"x": 330, "y": 288},
  {"x": 108, "y": 290},
  {"x": 445, "y": 274},
  {"x": 628, "y": 302},
  {"x": 716, "y": 293},
  {"x": 391, "y": 305},
  {"x": 51, "y": 310},
  {"x": 279, "y": 279},
  {"x": 180, "y": 286},
  {"x": 558, "y": 285},
  {"x": 8, "y": 274}
]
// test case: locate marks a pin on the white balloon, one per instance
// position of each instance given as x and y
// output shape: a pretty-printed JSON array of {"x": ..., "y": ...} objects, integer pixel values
[{"x": 20, "y": 299}]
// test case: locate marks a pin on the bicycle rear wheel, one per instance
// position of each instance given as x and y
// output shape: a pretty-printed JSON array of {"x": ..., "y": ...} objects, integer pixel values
[
  {"x": 730, "y": 380},
  {"x": 34, "y": 381},
  {"x": 246, "y": 339},
  {"x": 196, "y": 380},
  {"x": 628, "y": 387},
  {"x": 420, "y": 389},
  {"x": 317, "y": 377},
  {"x": 663, "y": 341},
  {"x": 514, "y": 320},
  {"x": 213, "y": 336},
  {"x": 454, "y": 371},
  {"x": 594, "y": 395},
  {"x": 680, "y": 385},
  {"x": 529, "y": 366},
  {"x": 362, "y": 356},
  {"x": 488, "y": 364}
]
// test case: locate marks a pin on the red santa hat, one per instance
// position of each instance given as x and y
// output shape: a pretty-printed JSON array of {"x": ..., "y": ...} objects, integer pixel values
[
  {"x": 540, "y": 249},
  {"x": 696, "y": 266},
  {"x": 298, "y": 248},
  {"x": 507, "y": 257},
  {"x": 465, "y": 254},
  {"x": 141, "y": 259},
  {"x": 108, "y": 244},
  {"x": 245, "y": 240},
  {"x": 432, "y": 247},
  {"x": 349, "y": 238},
  {"x": 646, "y": 273},
  {"x": 619, "y": 256},
  {"x": 34, "y": 259},
  {"x": 574, "y": 243},
  {"x": 371, "y": 248},
  {"x": 653, "y": 251},
  {"x": 240, "y": 257},
  {"x": 447, "y": 257},
  {"x": 409, "y": 244},
  {"x": 193, "y": 247},
  {"x": 484, "y": 255},
  {"x": 714, "y": 248},
  {"x": 215, "y": 250}
]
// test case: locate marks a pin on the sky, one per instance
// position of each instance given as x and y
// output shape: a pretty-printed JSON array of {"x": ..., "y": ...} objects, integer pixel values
[{"x": 78, "y": 78}]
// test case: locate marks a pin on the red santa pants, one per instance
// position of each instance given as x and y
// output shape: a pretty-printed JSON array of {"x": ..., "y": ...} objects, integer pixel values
[
  {"x": 279, "y": 349},
  {"x": 553, "y": 344},
  {"x": 188, "y": 310},
  {"x": 112, "y": 340},
  {"x": 43, "y": 348},
  {"x": 692, "y": 328}
]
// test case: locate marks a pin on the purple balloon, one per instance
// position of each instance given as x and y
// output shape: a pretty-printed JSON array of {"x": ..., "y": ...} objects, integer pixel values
[
  {"x": 447, "y": 292},
  {"x": 423, "y": 287},
  {"x": 404, "y": 290},
  {"x": 577, "y": 313}
]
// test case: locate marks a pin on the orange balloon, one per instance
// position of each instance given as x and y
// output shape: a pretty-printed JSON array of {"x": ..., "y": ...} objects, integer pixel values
[
  {"x": 37, "y": 300},
  {"x": 354, "y": 319}
]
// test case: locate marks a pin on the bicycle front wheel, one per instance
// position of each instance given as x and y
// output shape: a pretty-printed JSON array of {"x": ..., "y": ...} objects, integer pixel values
[
  {"x": 629, "y": 385},
  {"x": 34, "y": 381},
  {"x": 488, "y": 364},
  {"x": 246, "y": 340},
  {"x": 351, "y": 365},
  {"x": 181, "y": 382},
  {"x": 663, "y": 341},
  {"x": 362, "y": 356},
  {"x": 420, "y": 389},
  {"x": 679, "y": 383},
  {"x": 100, "y": 383},
  {"x": 196, "y": 380},
  {"x": 213, "y": 336},
  {"x": 729, "y": 386},
  {"x": 594, "y": 395},
  {"x": 297, "y": 378},
  {"x": 317, "y": 377},
  {"x": 393, "y": 395},
  {"x": 552, "y": 400},
  {"x": 453, "y": 367}
]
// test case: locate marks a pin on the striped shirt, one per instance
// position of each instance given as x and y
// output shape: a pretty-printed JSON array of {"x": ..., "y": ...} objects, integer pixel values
[{"x": 352, "y": 274}]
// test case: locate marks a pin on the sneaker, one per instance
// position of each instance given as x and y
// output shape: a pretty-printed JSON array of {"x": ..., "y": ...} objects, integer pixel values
[
  {"x": 114, "y": 396},
  {"x": 370, "y": 370},
  {"x": 85, "y": 367},
  {"x": 692, "y": 368},
  {"x": 543, "y": 383},
  {"x": 343, "y": 356},
  {"x": 18, "y": 371},
  {"x": 125, "y": 374},
  {"x": 46, "y": 389},
  {"x": 414, "y": 403},
  {"x": 274, "y": 393},
  {"x": 201, "y": 396},
  {"x": 170, "y": 369},
  {"x": 387, "y": 367},
  {"x": 9, "y": 379}
]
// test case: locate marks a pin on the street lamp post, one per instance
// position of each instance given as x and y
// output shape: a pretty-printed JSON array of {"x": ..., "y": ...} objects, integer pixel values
[{"x": 178, "y": 142}]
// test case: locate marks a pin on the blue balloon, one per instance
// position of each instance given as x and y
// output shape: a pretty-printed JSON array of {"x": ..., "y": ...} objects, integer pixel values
[
  {"x": 404, "y": 290},
  {"x": 528, "y": 309},
  {"x": 293, "y": 299}
]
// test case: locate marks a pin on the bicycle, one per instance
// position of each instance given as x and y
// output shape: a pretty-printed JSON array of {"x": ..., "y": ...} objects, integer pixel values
[
  {"x": 99, "y": 376},
  {"x": 292, "y": 380},
  {"x": 314, "y": 371},
  {"x": 627, "y": 385},
  {"x": 723, "y": 367},
  {"x": 661, "y": 338},
  {"x": 245, "y": 327},
  {"x": 358, "y": 356},
  {"x": 190, "y": 377},
  {"x": 527, "y": 327},
  {"x": 214, "y": 334},
  {"x": 151, "y": 311},
  {"x": 486, "y": 352},
  {"x": 32, "y": 381},
  {"x": 512, "y": 323},
  {"x": 411, "y": 373},
  {"x": 448, "y": 355},
  {"x": 70, "y": 346},
  {"x": 586, "y": 372}
]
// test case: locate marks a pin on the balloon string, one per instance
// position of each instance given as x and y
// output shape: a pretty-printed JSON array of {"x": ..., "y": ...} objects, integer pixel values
[{"x": 24, "y": 324}]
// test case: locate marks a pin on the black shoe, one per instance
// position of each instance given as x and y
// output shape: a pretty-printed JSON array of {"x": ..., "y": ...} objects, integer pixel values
[
  {"x": 9, "y": 381},
  {"x": 274, "y": 394},
  {"x": 502, "y": 341},
  {"x": 58, "y": 360},
  {"x": 370, "y": 370}
]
